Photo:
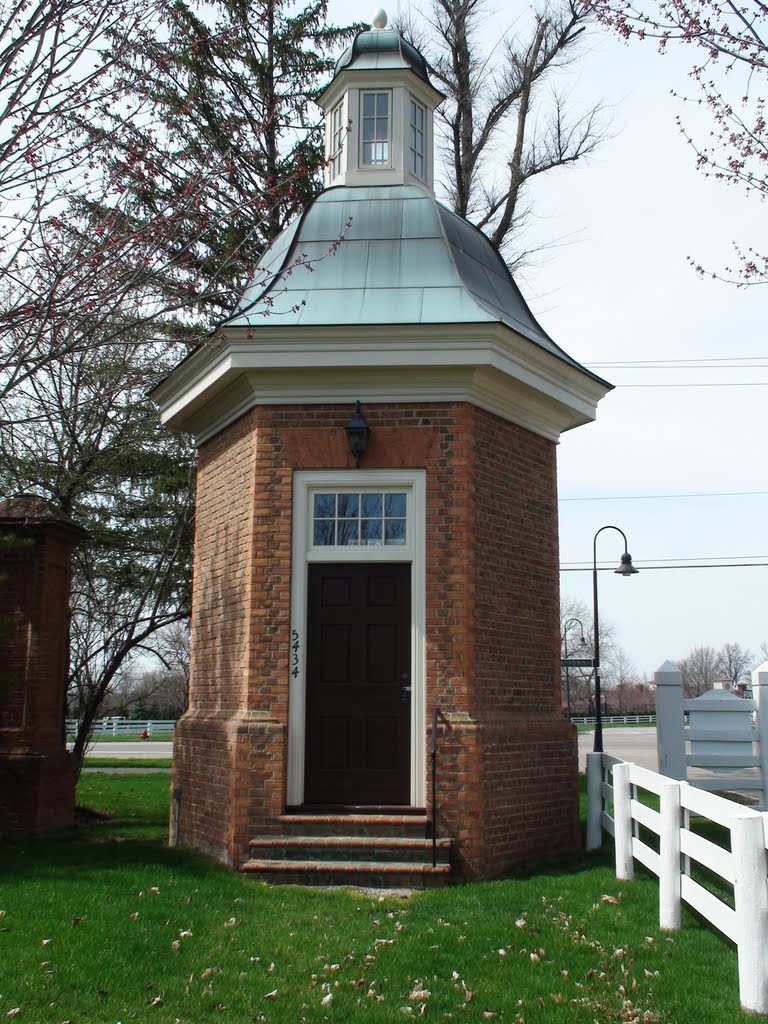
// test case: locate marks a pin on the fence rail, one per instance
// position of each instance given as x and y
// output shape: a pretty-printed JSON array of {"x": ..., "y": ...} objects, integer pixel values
[
  {"x": 125, "y": 726},
  {"x": 665, "y": 843},
  {"x": 615, "y": 719}
]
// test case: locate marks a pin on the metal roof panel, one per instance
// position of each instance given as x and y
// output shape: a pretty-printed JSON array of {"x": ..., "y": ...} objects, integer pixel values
[{"x": 403, "y": 258}]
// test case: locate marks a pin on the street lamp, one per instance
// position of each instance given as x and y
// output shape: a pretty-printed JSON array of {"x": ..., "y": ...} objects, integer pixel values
[
  {"x": 625, "y": 569},
  {"x": 582, "y": 643}
]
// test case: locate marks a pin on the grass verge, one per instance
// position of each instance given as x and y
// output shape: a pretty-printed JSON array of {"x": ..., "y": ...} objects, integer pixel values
[{"x": 107, "y": 924}]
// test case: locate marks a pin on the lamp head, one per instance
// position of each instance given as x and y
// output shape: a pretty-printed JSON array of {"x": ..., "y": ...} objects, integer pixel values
[
  {"x": 357, "y": 431},
  {"x": 626, "y": 568}
]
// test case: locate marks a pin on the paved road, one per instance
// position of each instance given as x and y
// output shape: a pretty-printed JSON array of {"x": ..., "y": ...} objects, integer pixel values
[
  {"x": 137, "y": 748},
  {"x": 632, "y": 743}
]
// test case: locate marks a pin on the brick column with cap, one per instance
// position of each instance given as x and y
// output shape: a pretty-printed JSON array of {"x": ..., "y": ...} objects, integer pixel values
[{"x": 37, "y": 774}]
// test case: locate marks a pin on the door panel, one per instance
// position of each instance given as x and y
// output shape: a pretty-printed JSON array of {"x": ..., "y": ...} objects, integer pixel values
[{"x": 358, "y": 654}]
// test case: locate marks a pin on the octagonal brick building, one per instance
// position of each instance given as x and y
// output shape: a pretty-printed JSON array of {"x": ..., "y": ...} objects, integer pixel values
[{"x": 341, "y": 612}]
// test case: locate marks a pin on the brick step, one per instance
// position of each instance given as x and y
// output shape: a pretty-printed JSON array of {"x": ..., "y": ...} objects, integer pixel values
[
  {"x": 350, "y": 848},
  {"x": 353, "y": 824},
  {"x": 386, "y": 874}
]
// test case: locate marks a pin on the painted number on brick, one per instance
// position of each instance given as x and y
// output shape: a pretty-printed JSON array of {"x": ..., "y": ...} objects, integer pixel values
[{"x": 295, "y": 645}]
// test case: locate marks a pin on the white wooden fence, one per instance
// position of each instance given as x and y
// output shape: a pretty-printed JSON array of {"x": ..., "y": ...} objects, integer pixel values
[
  {"x": 613, "y": 787},
  {"x": 615, "y": 719},
  {"x": 125, "y": 726}
]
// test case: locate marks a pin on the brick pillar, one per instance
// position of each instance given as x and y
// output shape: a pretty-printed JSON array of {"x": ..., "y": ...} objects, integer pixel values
[{"x": 37, "y": 775}]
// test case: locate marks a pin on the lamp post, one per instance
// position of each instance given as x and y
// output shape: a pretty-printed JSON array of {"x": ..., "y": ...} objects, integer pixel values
[
  {"x": 582, "y": 643},
  {"x": 625, "y": 569}
]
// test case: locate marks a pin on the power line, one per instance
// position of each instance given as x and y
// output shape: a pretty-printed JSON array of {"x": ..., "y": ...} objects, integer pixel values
[
  {"x": 656, "y": 497},
  {"x": 647, "y": 568},
  {"x": 721, "y": 361}
]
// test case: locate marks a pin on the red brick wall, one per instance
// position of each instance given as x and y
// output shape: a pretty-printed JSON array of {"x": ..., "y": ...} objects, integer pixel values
[{"x": 491, "y": 623}]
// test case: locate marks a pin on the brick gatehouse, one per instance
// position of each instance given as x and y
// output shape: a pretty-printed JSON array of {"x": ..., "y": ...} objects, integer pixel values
[{"x": 342, "y": 602}]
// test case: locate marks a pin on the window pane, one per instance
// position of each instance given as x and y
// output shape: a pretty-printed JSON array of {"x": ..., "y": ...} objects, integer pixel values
[
  {"x": 369, "y": 104},
  {"x": 323, "y": 534},
  {"x": 368, "y": 130},
  {"x": 371, "y": 505},
  {"x": 325, "y": 506},
  {"x": 350, "y": 519},
  {"x": 382, "y": 104},
  {"x": 348, "y": 532},
  {"x": 394, "y": 505},
  {"x": 349, "y": 506},
  {"x": 370, "y": 531},
  {"x": 394, "y": 531}
]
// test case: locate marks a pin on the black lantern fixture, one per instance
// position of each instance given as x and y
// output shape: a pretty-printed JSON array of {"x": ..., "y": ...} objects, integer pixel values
[{"x": 357, "y": 435}]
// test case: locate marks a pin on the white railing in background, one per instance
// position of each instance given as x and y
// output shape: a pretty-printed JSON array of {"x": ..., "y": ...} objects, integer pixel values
[
  {"x": 125, "y": 727},
  {"x": 615, "y": 719},
  {"x": 718, "y": 731},
  {"x": 612, "y": 789}
]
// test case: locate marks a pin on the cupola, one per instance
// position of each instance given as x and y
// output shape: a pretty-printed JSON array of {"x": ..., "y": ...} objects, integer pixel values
[{"x": 379, "y": 112}]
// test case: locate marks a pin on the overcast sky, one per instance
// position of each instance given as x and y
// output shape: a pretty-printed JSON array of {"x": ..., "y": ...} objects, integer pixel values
[{"x": 618, "y": 290}]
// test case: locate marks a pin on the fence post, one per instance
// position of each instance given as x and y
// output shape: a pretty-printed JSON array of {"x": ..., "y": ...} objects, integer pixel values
[
  {"x": 622, "y": 821},
  {"x": 750, "y": 892},
  {"x": 594, "y": 801},
  {"x": 670, "y": 723},
  {"x": 670, "y": 915},
  {"x": 760, "y": 694}
]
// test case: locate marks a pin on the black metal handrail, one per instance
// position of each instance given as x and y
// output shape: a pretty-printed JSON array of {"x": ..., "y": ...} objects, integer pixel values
[{"x": 433, "y": 754}]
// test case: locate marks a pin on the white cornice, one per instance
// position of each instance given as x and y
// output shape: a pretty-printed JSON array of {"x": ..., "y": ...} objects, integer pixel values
[
  {"x": 487, "y": 364},
  {"x": 384, "y": 78}
]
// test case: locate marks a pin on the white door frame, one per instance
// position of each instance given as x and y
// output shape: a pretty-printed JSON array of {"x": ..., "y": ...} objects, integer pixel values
[{"x": 305, "y": 484}]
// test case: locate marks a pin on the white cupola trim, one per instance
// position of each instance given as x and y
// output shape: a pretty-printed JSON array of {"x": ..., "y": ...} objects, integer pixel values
[{"x": 379, "y": 113}]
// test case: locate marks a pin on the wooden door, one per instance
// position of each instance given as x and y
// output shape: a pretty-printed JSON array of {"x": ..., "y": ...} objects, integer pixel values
[{"x": 358, "y": 684}]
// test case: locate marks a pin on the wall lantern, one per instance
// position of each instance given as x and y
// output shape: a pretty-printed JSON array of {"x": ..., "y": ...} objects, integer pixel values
[{"x": 357, "y": 434}]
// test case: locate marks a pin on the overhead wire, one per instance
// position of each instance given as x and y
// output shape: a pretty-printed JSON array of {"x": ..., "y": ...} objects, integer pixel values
[
  {"x": 648, "y": 568},
  {"x": 654, "y": 497}
]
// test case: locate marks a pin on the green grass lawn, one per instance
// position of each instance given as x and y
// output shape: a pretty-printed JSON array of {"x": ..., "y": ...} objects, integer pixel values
[{"x": 109, "y": 925}]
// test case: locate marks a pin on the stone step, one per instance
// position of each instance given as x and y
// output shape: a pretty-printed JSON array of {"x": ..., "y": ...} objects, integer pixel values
[
  {"x": 350, "y": 848},
  {"x": 381, "y": 874},
  {"x": 354, "y": 824}
]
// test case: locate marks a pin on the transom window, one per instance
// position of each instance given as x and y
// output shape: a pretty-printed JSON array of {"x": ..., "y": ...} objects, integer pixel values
[
  {"x": 364, "y": 518},
  {"x": 337, "y": 139},
  {"x": 417, "y": 139},
  {"x": 375, "y": 128}
]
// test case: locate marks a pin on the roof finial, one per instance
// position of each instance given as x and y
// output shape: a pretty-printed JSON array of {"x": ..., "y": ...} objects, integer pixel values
[{"x": 379, "y": 18}]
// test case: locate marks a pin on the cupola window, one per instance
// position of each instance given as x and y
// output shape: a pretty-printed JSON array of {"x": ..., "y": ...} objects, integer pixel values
[
  {"x": 418, "y": 121},
  {"x": 337, "y": 139},
  {"x": 375, "y": 129}
]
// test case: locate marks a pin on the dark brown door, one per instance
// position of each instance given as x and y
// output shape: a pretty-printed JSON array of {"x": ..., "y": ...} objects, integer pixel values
[{"x": 358, "y": 684}]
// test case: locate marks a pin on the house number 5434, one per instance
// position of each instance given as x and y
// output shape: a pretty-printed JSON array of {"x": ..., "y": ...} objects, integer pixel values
[{"x": 295, "y": 645}]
